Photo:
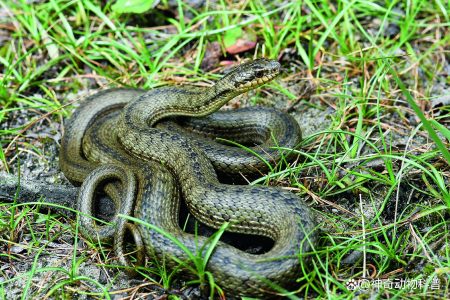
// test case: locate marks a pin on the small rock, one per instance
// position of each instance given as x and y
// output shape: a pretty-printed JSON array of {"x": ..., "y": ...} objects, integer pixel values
[
  {"x": 352, "y": 258},
  {"x": 118, "y": 296},
  {"x": 103, "y": 279},
  {"x": 192, "y": 293},
  {"x": 439, "y": 101},
  {"x": 17, "y": 249},
  {"x": 391, "y": 31}
]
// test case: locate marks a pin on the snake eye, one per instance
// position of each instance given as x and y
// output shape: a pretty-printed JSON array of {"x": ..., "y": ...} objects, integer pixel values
[{"x": 259, "y": 73}]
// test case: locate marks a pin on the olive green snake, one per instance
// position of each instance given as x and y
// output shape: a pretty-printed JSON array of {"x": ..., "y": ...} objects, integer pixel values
[{"x": 133, "y": 142}]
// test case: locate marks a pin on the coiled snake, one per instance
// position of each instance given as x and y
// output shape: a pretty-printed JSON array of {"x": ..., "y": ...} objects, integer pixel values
[{"x": 118, "y": 137}]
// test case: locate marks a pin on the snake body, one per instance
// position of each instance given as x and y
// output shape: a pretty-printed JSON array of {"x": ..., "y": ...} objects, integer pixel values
[{"x": 124, "y": 128}]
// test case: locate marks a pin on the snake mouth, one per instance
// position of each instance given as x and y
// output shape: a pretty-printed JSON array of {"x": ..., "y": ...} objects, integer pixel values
[{"x": 257, "y": 81}]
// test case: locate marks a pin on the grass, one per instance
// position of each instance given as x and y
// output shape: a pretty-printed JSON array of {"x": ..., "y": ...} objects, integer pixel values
[{"x": 374, "y": 165}]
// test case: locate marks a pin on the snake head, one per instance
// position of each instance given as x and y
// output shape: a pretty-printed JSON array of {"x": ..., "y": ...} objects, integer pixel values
[{"x": 252, "y": 74}]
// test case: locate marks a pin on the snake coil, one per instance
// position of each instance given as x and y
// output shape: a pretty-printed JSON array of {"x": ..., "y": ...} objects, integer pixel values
[{"x": 133, "y": 131}]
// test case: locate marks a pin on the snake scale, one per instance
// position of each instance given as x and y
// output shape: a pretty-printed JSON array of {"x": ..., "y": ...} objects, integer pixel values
[{"x": 133, "y": 142}]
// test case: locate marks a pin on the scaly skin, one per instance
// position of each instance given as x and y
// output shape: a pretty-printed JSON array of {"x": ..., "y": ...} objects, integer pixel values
[{"x": 165, "y": 162}]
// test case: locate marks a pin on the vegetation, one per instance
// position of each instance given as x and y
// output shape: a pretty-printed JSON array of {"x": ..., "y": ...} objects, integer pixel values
[{"x": 367, "y": 80}]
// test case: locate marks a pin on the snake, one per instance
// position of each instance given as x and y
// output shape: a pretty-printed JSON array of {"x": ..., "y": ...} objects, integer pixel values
[{"x": 136, "y": 143}]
